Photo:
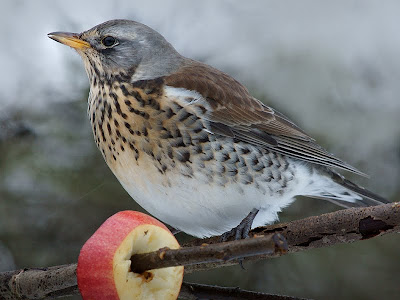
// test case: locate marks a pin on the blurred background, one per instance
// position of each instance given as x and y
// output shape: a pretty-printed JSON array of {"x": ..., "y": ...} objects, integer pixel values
[{"x": 332, "y": 67}]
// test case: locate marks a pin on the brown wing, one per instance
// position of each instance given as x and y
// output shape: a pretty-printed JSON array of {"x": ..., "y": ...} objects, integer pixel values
[{"x": 237, "y": 114}]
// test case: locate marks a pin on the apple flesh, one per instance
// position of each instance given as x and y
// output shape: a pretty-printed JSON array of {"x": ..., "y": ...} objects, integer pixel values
[{"x": 103, "y": 270}]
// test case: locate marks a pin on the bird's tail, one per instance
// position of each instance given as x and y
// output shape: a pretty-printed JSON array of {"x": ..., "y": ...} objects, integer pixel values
[{"x": 343, "y": 192}]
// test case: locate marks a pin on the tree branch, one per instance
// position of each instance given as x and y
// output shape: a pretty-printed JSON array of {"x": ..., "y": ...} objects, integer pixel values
[
  {"x": 343, "y": 226},
  {"x": 339, "y": 227},
  {"x": 46, "y": 283},
  {"x": 206, "y": 253}
]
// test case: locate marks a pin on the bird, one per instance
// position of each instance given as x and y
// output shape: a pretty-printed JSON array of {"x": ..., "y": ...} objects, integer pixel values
[{"x": 191, "y": 145}]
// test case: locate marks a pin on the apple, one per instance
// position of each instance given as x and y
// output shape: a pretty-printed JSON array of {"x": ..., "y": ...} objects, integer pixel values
[{"x": 103, "y": 270}]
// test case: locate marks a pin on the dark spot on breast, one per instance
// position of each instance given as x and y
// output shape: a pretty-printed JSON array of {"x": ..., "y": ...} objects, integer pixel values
[
  {"x": 258, "y": 168},
  {"x": 165, "y": 134},
  {"x": 254, "y": 161},
  {"x": 102, "y": 114},
  {"x": 177, "y": 133},
  {"x": 225, "y": 157},
  {"x": 144, "y": 115},
  {"x": 203, "y": 139},
  {"x": 117, "y": 106},
  {"x": 94, "y": 68},
  {"x": 102, "y": 133},
  {"x": 127, "y": 125},
  {"x": 169, "y": 152},
  {"x": 190, "y": 120},
  {"x": 132, "y": 146},
  {"x": 178, "y": 142},
  {"x": 183, "y": 115},
  {"x": 153, "y": 103},
  {"x": 207, "y": 156},
  {"x": 245, "y": 150},
  {"x": 109, "y": 111},
  {"x": 176, "y": 107},
  {"x": 233, "y": 172},
  {"x": 113, "y": 95},
  {"x": 138, "y": 98},
  {"x": 198, "y": 149},
  {"x": 198, "y": 129},
  {"x": 202, "y": 108},
  {"x": 247, "y": 179},
  {"x": 116, "y": 123},
  {"x": 184, "y": 156},
  {"x": 169, "y": 113},
  {"x": 124, "y": 90}
]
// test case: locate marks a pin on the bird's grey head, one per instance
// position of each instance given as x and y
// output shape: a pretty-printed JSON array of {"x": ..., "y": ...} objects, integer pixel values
[{"x": 123, "y": 47}]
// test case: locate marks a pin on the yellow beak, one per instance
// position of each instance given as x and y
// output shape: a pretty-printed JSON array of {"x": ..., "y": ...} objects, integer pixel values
[{"x": 69, "y": 39}]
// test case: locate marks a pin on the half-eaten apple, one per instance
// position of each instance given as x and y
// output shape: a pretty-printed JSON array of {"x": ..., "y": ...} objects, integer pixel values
[{"x": 104, "y": 265}]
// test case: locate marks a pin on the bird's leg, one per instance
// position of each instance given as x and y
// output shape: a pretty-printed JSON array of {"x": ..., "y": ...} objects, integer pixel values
[{"x": 242, "y": 230}]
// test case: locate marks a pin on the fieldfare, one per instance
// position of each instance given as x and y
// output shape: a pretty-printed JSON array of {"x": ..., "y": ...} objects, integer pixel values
[{"x": 190, "y": 144}]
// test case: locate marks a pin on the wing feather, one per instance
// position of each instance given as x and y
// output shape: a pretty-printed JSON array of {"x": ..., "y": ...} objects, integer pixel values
[{"x": 235, "y": 113}]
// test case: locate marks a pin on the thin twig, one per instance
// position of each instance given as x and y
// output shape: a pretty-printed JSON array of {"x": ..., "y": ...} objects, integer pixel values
[{"x": 206, "y": 253}]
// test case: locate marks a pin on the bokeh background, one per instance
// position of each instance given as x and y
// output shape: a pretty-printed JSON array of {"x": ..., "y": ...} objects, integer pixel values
[{"x": 332, "y": 66}]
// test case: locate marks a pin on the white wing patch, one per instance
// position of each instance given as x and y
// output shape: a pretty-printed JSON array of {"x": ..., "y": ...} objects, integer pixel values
[{"x": 184, "y": 97}]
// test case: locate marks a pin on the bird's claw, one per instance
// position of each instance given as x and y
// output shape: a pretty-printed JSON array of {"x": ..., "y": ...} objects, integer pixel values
[{"x": 242, "y": 230}]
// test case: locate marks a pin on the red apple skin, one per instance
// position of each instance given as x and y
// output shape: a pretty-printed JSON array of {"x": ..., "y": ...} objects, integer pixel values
[{"x": 95, "y": 264}]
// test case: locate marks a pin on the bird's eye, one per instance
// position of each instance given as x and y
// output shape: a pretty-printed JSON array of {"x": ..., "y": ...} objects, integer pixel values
[{"x": 109, "y": 41}]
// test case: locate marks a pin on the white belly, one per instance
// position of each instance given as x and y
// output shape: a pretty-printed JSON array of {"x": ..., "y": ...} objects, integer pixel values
[{"x": 190, "y": 204}]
